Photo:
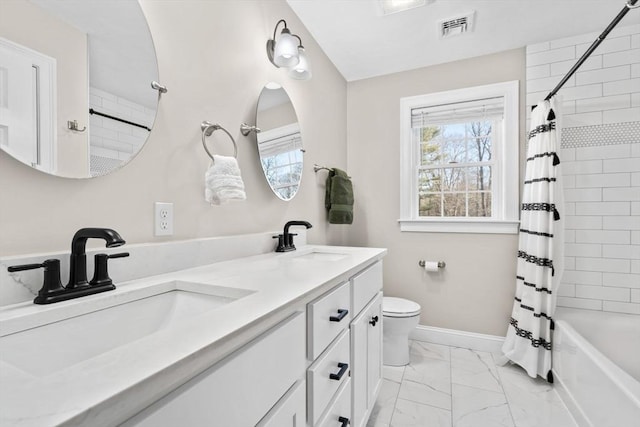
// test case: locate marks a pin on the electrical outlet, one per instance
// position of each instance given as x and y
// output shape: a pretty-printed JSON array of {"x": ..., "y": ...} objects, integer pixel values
[{"x": 163, "y": 219}]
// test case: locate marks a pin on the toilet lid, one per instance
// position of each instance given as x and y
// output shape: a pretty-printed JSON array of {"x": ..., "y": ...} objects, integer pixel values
[{"x": 399, "y": 307}]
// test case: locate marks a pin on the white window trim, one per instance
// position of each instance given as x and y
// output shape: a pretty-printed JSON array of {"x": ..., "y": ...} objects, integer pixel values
[{"x": 506, "y": 187}]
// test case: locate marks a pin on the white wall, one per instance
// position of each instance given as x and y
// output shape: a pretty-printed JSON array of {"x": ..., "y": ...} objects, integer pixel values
[
  {"x": 475, "y": 291},
  {"x": 212, "y": 58},
  {"x": 601, "y": 162}
]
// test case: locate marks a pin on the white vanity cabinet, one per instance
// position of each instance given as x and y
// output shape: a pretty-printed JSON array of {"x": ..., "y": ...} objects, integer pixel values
[
  {"x": 338, "y": 345},
  {"x": 261, "y": 382}
]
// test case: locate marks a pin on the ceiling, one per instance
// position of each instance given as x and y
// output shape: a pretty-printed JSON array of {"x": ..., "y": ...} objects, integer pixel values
[{"x": 362, "y": 43}]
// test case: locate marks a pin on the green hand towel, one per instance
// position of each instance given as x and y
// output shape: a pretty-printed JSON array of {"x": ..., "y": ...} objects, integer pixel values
[{"x": 339, "y": 197}]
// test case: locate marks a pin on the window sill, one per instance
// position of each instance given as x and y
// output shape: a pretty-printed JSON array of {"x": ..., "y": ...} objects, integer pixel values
[{"x": 459, "y": 226}]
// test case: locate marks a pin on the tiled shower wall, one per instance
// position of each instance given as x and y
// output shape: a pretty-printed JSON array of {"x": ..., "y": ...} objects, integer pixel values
[
  {"x": 600, "y": 154},
  {"x": 113, "y": 142}
]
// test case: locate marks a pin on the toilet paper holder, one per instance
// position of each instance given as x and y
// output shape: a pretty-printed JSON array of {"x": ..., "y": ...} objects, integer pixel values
[{"x": 441, "y": 264}]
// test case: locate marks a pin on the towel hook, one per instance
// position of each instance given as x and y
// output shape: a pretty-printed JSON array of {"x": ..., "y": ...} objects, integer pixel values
[{"x": 207, "y": 129}]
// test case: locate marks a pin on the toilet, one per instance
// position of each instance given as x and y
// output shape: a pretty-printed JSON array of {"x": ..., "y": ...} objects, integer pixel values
[{"x": 400, "y": 317}]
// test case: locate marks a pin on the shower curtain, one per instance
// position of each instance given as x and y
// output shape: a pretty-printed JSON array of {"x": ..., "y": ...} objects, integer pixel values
[{"x": 540, "y": 248}]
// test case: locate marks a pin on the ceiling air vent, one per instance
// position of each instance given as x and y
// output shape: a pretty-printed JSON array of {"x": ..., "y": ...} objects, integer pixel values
[{"x": 456, "y": 26}]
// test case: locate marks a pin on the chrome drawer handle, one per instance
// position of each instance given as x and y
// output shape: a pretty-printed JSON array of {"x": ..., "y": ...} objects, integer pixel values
[
  {"x": 345, "y": 421},
  {"x": 340, "y": 316},
  {"x": 343, "y": 369}
]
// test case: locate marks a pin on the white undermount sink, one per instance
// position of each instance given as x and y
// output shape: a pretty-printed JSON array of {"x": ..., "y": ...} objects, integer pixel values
[
  {"x": 41, "y": 346},
  {"x": 316, "y": 255}
]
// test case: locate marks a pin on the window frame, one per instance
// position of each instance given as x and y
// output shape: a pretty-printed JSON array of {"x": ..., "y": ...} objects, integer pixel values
[{"x": 505, "y": 188}]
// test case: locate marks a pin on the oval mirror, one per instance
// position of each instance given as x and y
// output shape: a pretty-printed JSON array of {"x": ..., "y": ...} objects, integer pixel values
[
  {"x": 279, "y": 141},
  {"x": 75, "y": 84}
]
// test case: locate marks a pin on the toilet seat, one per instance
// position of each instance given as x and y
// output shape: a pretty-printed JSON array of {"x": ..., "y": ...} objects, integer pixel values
[{"x": 399, "y": 307}]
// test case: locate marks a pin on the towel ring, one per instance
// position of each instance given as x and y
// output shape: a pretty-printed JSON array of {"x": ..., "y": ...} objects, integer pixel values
[{"x": 207, "y": 129}]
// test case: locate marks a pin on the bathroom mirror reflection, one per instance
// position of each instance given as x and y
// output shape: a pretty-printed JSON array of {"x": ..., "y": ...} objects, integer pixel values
[
  {"x": 279, "y": 141},
  {"x": 65, "y": 65}
]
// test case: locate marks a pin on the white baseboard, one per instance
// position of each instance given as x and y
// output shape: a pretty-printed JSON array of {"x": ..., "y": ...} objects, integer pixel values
[{"x": 454, "y": 338}]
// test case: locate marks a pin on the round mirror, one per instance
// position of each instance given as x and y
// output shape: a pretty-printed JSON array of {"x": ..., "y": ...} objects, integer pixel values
[
  {"x": 75, "y": 84},
  {"x": 279, "y": 141}
]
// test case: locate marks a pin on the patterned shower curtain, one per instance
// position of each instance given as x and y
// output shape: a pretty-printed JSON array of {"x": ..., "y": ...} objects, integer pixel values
[{"x": 540, "y": 249}]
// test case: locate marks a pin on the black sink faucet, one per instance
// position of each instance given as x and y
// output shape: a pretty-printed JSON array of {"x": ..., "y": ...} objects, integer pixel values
[
  {"x": 78, "y": 258},
  {"x": 285, "y": 240}
]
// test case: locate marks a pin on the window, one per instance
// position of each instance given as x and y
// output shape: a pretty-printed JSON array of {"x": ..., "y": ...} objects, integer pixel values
[{"x": 459, "y": 160}]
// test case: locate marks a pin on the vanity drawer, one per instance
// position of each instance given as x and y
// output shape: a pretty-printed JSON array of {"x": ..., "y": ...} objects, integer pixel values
[
  {"x": 339, "y": 412},
  {"x": 365, "y": 286},
  {"x": 327, "y": 317},
  {"x": 326, "y": 375}
]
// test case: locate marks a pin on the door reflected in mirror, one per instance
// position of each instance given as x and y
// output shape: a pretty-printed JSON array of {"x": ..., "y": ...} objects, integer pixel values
[
  {"x": 279, "y": 141},
  {"x": 75, "y": 84}
]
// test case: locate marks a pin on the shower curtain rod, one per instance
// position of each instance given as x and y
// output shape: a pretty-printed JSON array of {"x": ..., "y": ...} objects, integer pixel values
[{"x": 629, "y": 5}]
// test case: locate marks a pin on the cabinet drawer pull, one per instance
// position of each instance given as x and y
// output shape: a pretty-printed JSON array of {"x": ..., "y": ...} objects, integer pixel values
[
  {"x": 373, "y": 320},
  {"x": 343, "y": 368},
  {"x": 345, "y": 421},
  {"x": 340, "y": 316}
]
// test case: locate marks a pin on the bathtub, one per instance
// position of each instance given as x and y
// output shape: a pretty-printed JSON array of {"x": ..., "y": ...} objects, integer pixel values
[{"x": 596, "y": 366}]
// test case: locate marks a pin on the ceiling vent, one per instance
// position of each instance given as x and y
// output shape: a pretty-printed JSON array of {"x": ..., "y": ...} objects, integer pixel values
[{"x": 456, "y": 26}]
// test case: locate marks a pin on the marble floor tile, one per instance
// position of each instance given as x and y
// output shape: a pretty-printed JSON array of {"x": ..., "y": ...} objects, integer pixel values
[
  {"x": 411, "y": 414},
  {"x": 474, "y": 369},
  {"x": 473, "y": 407},
  {"x": 385, "y": 404},
  {"x": 438, "y": 395},
  {"x": 393, "y": 373},
  {"x": 420, "y": 350},
  {"x": 533, "y": 401}
]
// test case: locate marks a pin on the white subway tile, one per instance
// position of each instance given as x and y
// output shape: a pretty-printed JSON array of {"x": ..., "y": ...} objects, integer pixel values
[
  {"x": 546, "y": 84},
  {"x": 635, "y": 71},
  {"x": 635, "y": 237},
  {"x": 104, "y": 152},
  {"x": 625, "y": 57},
  {"x": 125, "y": 157},
  {"x": 583, "y": 119},
  {"x": 603, "y": 265},
  {"x": 635, "y": 100},
  {"x": 535, "y": 48},
  {"x": 533, "y": 99},
  {"x": 621, "y": 280},
  {"x": 621, "y": 223},
  {"x": 635, "y": 149},
  {"x": 570, "y": 236},
  {"x": 569, "y": 208},
  {"x": 635, "y": 208},
  {"x": 594, "y": 62},
  {"x": 569, "y": 182},
  {"x": 621, "y": 165},
  {"x": 580, "y": 92},
  {"x": 603, "y": 180},
  {"x": 555, "y": 55},
  {"x": 538, "y": 72},
  {"x": 635, "y": 296},
  {"x": 621, "y": 115},
  {"x": 604, "y": 152},
  {"x": 583, "y": 195},
  {"x": 635, "y": 41},
  {"x": 116, "y": 145},
  {"x": 573, "y": 40},
  {"x": 583, "y": 250},
  {"x": 621, "y": 87},
  {"x": 635, "y": 266},
  {"x": 635, "y": 179},
  {"x": 117, "y": 126},
  {"x": 130, "y": 104},
  {"x": 603, "y": 293},
  {"x": 573, "y": 222},
  {"x": 621, "y": 251},
  {"x": 588, "y": 304},
  {"x": 95, "y": 121},
  {"x": 566, "y": 290},
  {"x": 102, "y": 94},
  {"x": 603, "y": 208},
  {"x": 603, "y": 75},
  {"x": 582, "y": 277},
  {"x": 616, "y": 237},
  {"x": 95, "y": 101},
  {"x": 95, "y": 141},
  {"x": 625, "y": 29},
  {"x": 569, "y": 262},
  {"x": 131, "y": 139},
  {"x": 567, "y": 154},
  {"x": 621, "y": 194},
  {"x": 569, "y": 107},
  {"x": 104, "y": 133},
  {"x": 614, "y": 102},
  {"x": 608, "y": 45},
  {"x": 621, "y": 307},
  {"x": 583, "y": 167}
]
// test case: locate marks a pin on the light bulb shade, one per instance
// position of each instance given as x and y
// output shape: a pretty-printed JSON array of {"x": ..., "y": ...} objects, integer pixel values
[
  {"x": 285, "y": 52},
  {"x": 302, "y": 70}
]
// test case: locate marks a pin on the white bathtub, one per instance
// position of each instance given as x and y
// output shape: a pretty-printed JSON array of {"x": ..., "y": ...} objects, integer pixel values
[{"x": 596, "y": 366}]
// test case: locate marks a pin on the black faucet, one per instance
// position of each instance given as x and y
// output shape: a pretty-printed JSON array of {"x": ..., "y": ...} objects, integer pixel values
[
  {"x": 285, "y": 240},
  {"x": 78, "y": 258},
  {"x": 52, "y": 289}
]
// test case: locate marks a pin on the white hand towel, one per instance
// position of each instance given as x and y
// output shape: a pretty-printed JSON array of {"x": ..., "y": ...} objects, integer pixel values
[{"x": 223, "y": 182}]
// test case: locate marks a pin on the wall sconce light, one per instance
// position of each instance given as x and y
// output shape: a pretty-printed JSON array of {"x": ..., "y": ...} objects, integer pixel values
[{"x": 288, "y": 52}]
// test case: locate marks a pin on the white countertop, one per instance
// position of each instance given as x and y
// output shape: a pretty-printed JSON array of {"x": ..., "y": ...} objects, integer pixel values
[{"x": 113, "y": 386}]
